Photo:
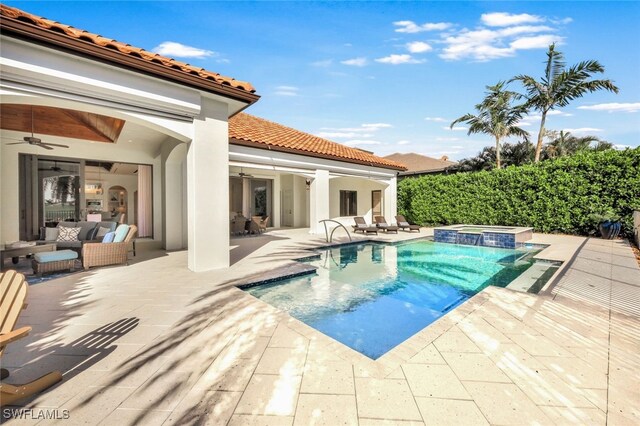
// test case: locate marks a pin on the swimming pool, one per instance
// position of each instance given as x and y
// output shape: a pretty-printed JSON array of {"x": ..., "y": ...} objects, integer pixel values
[{"x": 372, "y": 296}]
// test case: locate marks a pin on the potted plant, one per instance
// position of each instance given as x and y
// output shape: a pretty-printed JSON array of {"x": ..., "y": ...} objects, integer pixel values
[{"x": 607, "y": 222}]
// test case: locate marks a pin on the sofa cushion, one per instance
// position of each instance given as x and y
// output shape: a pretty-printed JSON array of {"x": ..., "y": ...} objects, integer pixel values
[
  {"x": 67, "y": 224},
  {"x": 109, "y": 236},
  {"x": 51, "y": 234},
  {"x": 86, "y": 229},
  {"x": 108, "y": 224},
  {"x": 54, "y": 256},
  {"x": 121, "y": 233},
  {"x": 68, "y": 234}
]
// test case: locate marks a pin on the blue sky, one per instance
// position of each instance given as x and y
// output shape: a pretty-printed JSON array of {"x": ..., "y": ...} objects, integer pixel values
[{"x": 386, "y": 77}]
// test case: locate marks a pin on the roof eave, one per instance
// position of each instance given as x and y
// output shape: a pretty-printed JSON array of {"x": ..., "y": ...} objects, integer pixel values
[
  {"x": 24, "y": 31},
  {"x": 260, "y": 145}
]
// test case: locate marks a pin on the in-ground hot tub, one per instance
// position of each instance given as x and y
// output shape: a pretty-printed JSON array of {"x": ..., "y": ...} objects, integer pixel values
[{"x": 481, "y": 235}]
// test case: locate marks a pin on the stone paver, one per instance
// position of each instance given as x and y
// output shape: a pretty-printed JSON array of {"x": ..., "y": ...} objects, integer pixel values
[{"x": 141, "y": 352}]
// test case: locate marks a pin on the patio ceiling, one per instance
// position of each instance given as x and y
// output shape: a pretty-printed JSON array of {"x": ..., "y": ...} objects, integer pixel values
[{"x": 60, "y": 122}]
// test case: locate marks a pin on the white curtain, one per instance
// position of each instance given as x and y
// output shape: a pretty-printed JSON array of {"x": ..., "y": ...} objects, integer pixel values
[{"x": 145, "y": 187}]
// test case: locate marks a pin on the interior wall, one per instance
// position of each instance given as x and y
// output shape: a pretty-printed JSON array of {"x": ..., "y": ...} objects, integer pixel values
[{"x": 128, "y": 182}]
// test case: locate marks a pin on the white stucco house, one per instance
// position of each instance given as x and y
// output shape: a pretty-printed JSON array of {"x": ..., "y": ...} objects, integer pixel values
[{"x": 161, "y": 143}]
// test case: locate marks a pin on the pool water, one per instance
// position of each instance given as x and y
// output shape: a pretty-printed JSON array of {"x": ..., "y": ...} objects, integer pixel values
[{"x": 371, "y": 297}]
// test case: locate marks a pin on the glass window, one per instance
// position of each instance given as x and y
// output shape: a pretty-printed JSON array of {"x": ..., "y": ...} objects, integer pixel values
[{"x": 348, "y": 203}]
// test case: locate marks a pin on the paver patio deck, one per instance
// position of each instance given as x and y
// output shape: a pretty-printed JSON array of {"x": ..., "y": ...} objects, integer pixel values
[{"x": 153, "y": 343}]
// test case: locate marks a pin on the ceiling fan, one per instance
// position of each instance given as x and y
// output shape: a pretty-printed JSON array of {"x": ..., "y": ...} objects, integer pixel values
[
  {"x": 32, "y": 140},
  {"x": 242, "y": 174},
  {"x": 55, "y": 168}
]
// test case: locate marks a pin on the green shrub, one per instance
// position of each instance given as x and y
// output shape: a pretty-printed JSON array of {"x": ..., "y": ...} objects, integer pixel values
[{"x": 553, "y": 196}]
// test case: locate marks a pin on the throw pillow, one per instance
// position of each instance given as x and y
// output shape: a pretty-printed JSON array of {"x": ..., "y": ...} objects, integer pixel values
[
  {"x": 102, "y": 231},
  {"x": 51, "y": 234},
  {"x": 108, "y": 237},
  {"x": 121, "y": 233},
  {"x": 68, "y": 234}
]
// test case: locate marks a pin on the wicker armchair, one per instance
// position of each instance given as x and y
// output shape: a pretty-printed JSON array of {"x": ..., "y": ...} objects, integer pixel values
[{"x": 102, "y": 254}]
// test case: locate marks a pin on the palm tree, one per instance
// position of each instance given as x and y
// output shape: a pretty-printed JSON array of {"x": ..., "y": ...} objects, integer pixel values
[
  {"x": 560, "y": 85},
  {"x": 496, "y": 116},
  {"x": 564, "y": 143}
]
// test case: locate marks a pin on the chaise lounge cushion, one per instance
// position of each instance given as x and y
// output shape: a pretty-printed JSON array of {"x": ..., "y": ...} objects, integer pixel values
[{"x": 55, "y": 256}]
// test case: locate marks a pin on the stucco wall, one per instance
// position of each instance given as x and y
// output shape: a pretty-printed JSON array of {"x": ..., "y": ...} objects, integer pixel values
[{"x": 363, "y": 188}]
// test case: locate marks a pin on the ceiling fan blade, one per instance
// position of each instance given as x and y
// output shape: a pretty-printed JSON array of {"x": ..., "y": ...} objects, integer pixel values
[
  {"x": 16, "y": 143},
  {"x": 41, "y": 145},
  {"x": 53, "y": 144}
]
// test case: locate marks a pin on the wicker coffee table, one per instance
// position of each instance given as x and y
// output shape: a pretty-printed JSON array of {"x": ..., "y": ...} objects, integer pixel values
[{"x": 15, "y": 253}]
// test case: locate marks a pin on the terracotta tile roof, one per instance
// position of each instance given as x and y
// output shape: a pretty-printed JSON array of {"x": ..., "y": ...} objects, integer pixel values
[
  {"x": 10, "y": 13},
  {"x": 245, "y": 129},
  {"x": 417, "y": 163}
]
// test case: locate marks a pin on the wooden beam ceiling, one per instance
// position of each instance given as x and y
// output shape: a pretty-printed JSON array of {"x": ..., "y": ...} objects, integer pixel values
[{"x": 60, "y": 122}]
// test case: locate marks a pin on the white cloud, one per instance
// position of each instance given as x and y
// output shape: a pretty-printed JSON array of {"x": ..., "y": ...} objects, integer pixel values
[
  {"x": 456, "y": 128},
  {"x": 504, "y": 36},
  {"x": 178, "y": 50},
  {"x": 523, "y": 29},
  {"x": 621, "y": 147},
  {"x": 361, "y": 142},
  {"x": 411, "y": 27},
  {"x": 376, "y": 125},
  {"x": 325, "y": 63},
  {"x": 355, "y": 62},
  {"x": 365, "y": 130},
  {"x": 394, "y": 59},
  {"x": 418, "y": 47},
  {"x": 403, "y": 142},
  {"x": 583, "y": 130},
  {"x": 536, "y": 42},
  {"x": 439, "y": 119},
  {"x": 447, "y": 139},
  {"x": 286, "y": 91},
  {"x": 613, "y": 107},
  {"x": 501, "y": 19}
]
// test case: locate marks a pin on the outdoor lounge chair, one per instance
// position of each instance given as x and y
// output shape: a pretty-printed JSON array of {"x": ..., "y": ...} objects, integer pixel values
[
  {"x": 103, "y": 254},
  {"x": 239, "y": 225},
  {"x": 13, "y": 293},
  {"x": 381, "y": 223},
  {"x": 258, "y": 224},
  {"x": 362, "y": 226},
  {"x": 404, "y": 225}
]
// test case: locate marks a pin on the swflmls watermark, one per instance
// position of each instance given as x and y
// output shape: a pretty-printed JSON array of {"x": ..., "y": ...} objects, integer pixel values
[{"x": 35, "y": 413}]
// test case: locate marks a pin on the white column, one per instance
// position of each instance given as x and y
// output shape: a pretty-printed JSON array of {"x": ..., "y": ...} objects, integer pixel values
[
  {"x": 390, "y": 200},
  {"x": 276, "y": 203},
  {"x": 319, "y": 205},
  {"x": 208, "y": 189},
  {"x": 246, "y": 197},
  {"x": 173, "y": 208}
]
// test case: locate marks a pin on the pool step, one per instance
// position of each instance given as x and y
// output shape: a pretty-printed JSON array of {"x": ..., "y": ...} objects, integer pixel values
[{"x": 531, "y": 277}]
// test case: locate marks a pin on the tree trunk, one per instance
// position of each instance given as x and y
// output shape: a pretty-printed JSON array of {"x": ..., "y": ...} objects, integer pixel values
[
  {"x": 498, "y": 153},
  {"x": 540, "y": 136}
]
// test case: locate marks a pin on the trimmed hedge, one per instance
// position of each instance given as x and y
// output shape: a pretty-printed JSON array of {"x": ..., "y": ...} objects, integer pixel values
[{"x": 553, "y": 196}]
